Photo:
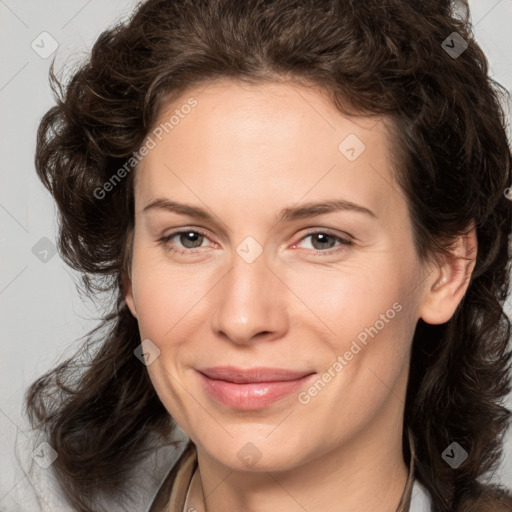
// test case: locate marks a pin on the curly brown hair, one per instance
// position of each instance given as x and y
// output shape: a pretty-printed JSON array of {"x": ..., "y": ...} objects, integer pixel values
[{"x": 453, "y": 160}]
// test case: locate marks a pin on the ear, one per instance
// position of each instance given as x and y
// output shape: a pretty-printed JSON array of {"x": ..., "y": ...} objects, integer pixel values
[
  {"x": 128, "y": 294},
  {"x": 449, "y": 281},
  {"x": 126, "y": 278}
]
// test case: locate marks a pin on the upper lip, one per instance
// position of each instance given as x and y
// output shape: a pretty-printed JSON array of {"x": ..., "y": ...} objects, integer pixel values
[{"x": 259, "y": 374}]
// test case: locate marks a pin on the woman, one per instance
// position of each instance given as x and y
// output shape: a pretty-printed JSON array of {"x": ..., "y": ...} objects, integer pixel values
[{"x": 301, "y": 209}]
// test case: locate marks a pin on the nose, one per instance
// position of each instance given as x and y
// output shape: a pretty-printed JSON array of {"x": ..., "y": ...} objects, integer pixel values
[{"x": 252, "y": 303}]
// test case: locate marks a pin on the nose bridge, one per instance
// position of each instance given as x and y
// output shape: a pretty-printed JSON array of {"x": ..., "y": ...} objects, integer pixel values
[{"x": 250, "y": 297}]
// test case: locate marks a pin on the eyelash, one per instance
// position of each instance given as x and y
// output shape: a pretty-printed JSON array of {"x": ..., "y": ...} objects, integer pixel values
[{"x": 343, "y": 242}]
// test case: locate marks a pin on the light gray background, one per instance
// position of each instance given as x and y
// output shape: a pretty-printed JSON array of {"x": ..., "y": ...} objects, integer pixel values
[{"x": 42, "y": 315}]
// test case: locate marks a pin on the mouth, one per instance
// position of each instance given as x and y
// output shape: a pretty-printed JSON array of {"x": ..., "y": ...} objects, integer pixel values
[
  {"x": 251, "y": 389},
  {"x": 253, "y": 375}
]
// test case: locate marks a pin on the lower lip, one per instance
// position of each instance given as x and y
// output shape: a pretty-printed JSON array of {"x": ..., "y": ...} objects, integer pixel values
[{"x": 255, "y": 395}]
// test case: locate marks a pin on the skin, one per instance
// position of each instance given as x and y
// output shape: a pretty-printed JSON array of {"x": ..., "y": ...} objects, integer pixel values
[{"x": 244, "y": 153}]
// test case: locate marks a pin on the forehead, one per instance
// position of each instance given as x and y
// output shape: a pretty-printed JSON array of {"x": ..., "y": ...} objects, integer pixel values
[{"x": 269, "y": 141}]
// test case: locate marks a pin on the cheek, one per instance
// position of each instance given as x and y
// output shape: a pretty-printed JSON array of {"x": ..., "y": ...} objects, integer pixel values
[
  {"x": 349, "y": 298},
  {"x": 375, "y": 354},
  {"x": 167, "y": 299},
  {"x": 366, "y": 316}
]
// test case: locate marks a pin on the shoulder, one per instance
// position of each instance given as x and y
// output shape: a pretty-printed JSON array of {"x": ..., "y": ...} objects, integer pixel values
[
  {"x": 149, "y": 475},
  {"x": 420, "y": 498},
  {"x": 486, "y": 498},
  {"x": 480, "y": 498},
  {"x": 38, "y": 489}
]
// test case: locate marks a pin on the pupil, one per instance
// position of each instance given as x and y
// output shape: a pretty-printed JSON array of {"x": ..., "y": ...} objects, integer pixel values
[
  {"x": 322, "y": 237},
  {"x": 188, "y": 239}
]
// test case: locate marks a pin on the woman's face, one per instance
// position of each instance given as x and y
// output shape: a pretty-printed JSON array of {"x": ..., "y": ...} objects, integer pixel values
[{"x": 263, "y": 280}]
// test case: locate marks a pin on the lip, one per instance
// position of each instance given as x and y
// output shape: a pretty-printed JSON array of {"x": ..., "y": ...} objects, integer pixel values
[{"x": 253, "y": 388}]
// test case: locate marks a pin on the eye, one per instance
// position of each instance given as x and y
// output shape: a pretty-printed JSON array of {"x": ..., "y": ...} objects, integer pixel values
[
  {"x": 190, "y": 238},
  {"x": 324, "y": 240}
]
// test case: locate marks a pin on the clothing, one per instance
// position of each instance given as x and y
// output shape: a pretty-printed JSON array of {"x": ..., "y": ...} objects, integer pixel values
[
  {"x": 35, "y": 488},
  {"x": 152, "y": 486},
  {"x": 175, "y": 494}
]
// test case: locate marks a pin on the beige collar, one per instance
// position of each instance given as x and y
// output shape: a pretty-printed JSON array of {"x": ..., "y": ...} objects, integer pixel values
[{"x": 182, "y": 492}]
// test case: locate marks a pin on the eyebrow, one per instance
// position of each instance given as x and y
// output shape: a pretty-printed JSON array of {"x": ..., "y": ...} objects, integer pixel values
[{"x": 288, "y": 214}]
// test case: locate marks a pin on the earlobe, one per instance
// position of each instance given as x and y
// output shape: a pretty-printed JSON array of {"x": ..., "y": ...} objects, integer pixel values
[{"x": 449, "y": 281}]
